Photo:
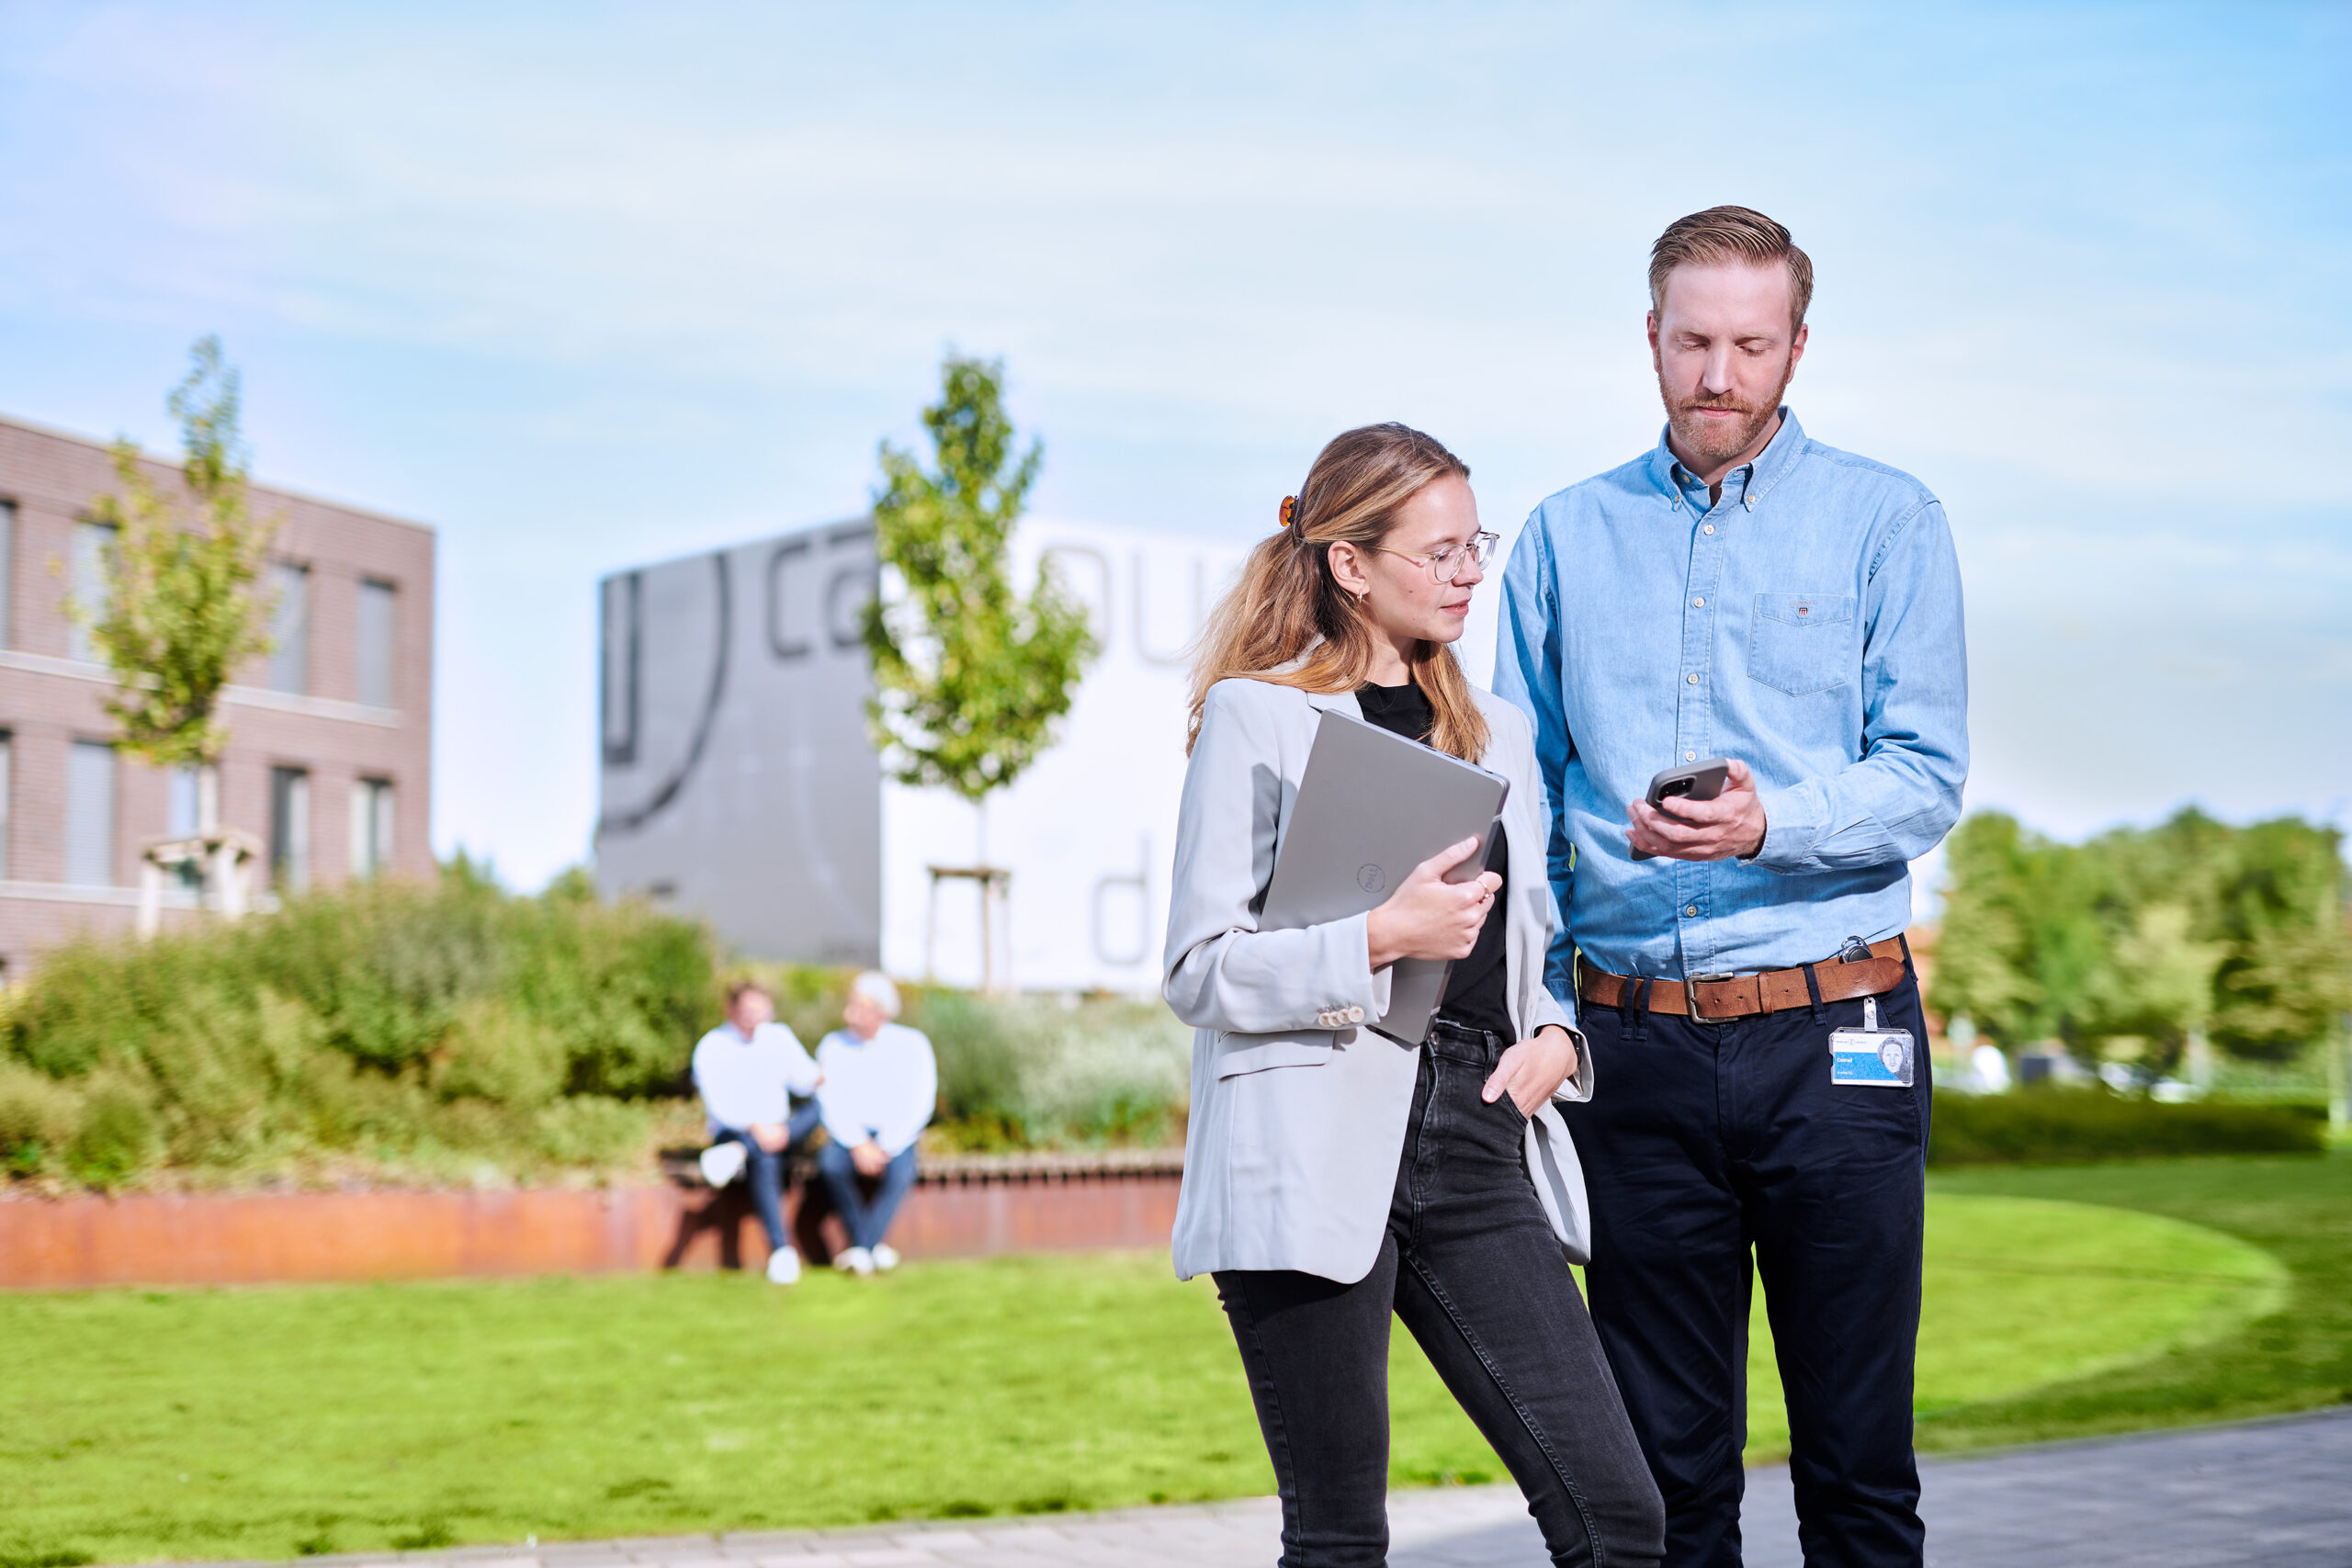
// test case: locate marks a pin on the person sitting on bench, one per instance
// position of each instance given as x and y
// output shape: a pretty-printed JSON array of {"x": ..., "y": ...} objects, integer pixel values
[
  {"x": 880, "y": 1084},
  {"x": 745, "y": 1070}
]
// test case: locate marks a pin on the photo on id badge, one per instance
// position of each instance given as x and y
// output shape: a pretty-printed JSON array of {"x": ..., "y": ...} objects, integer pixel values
[{"x": 1872, "y": 1057}]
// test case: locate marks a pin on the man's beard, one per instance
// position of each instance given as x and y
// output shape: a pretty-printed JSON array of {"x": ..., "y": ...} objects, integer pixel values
[{"x": 1714, "y": 441}]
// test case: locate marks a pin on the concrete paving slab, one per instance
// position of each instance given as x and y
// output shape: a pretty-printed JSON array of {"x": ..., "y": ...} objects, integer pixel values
[{"x": 2260, "y": 1495}]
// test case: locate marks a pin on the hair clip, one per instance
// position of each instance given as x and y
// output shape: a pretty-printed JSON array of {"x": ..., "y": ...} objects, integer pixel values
[{"x": 1290, "y": 512}]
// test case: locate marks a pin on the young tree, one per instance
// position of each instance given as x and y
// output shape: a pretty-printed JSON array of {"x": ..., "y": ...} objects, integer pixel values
[
  {"x": 181, "y": 611},
  {"x": 969, "y": 676}
]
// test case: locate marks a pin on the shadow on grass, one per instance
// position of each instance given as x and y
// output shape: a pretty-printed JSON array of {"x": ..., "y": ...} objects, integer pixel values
[{"x": 2297, "y": 1208}]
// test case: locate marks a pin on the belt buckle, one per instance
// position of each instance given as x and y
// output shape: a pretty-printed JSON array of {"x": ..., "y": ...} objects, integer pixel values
[{"x": 1690, "y": 984}]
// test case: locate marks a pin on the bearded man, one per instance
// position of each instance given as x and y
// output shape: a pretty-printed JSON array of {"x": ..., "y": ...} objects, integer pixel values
[{"x": 1744, "y": 592}]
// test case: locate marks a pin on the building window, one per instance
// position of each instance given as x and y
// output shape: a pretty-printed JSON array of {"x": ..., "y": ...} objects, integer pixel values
[
  {"x": 89, "y": 815},
  {"x": 372, "y": 828},
  {"x": 8, "y": 571},
  {"x": 185, "y": 808},
  {"x": 289, "y": 629},
  {"x": 7, "y": 757},
  {"x": 379, "y": 639},
  {"x": 289, "y": 829},
  {"x": 93, "y": 542},
  {"x": 185, "y": 817}
]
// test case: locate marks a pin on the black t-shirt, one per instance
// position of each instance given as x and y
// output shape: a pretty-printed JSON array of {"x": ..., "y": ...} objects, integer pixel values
[{"x": 1475, "y": 992}]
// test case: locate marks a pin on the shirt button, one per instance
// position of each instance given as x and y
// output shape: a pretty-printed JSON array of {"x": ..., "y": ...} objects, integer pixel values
[
  {"x": 1699, "y": 603},
  {"x": 1692, "y": 678},
  {"x": 1691, "y": 909},
  {"x": 1706, "y": 528},
  {"x": 1690, "y": 756}
]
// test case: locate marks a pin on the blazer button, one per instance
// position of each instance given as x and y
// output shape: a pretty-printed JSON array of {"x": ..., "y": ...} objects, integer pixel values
[{"x": 1355, "y": 1015}]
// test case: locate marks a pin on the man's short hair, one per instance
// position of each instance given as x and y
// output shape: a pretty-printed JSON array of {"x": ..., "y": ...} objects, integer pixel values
[
  {"x": 876, "y": 988},
  {"x": 1731, "y": 234},
  {"x": 736, "y": 992}
]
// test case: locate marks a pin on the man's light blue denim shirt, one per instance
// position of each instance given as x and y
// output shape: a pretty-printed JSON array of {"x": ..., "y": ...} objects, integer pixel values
[{"x": 1809, "y": 623}]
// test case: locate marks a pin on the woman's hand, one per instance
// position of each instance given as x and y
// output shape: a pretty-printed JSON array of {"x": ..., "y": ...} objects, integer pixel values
[
  {"x": 1429, "y": 917},
  {"x": 1533, "y": 1071}
]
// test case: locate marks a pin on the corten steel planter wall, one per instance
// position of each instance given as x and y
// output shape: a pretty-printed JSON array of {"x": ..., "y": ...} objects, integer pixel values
[{"x": 962, "y": 1208}]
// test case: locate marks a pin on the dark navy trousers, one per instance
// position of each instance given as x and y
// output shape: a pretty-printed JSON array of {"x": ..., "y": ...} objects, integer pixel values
[{"x": 1705, "y": 1145}]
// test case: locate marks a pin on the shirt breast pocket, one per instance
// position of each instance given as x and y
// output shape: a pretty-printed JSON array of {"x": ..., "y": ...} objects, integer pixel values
[{"x": 1802, "y": 643}]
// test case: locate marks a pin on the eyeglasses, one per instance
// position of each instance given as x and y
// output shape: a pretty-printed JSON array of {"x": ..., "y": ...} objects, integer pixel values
[{"x": 1445, "y": 565}]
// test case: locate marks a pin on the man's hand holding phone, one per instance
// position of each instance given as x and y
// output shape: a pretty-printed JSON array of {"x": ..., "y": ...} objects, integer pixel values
[{"x": 1731, "y": 824}]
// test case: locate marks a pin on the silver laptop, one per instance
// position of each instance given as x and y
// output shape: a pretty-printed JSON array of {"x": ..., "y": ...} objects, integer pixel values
[{"x": 1372, "y": 807}]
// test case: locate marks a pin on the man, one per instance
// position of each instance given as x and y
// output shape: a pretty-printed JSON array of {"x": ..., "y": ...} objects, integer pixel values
[
  {"x": 881, "y": 1085},
  {"x": 745, "y": 1070},
  {"x": 1745, "y": 592}
]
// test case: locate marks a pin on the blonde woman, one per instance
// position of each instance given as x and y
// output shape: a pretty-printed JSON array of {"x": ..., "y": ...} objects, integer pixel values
[{"x": 1332, "y": 1176}]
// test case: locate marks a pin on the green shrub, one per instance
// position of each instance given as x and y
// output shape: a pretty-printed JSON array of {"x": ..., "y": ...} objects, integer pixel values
[
  {"x": 1051, "y": 1070},
  {"x": 496, "y": 1052},
  {"x": 2058, "y": 1126},
  {"x": 453, "y": 1032},
  {"x": 38, "y": 1116},
  {"x": 391, "y": 1030},
  {"x": 117, "y": 1139}
]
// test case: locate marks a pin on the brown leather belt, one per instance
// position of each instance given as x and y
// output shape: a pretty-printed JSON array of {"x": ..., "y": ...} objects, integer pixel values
[{"x": 1715, "y": 999}]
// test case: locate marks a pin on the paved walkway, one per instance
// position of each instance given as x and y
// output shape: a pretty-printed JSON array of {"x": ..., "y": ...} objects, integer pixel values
[{"x": 2265, "y": 1494}]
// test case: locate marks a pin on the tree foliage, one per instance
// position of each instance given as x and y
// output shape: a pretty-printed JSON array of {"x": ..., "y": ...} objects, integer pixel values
[
  {"x": 969, "y": 675},
  {"x": 181, "y": 609},
  {"x": 2127, "y": 944}
]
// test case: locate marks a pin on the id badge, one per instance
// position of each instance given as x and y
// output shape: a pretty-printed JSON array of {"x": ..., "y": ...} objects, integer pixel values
[{"x": 1871, "y": 1055}]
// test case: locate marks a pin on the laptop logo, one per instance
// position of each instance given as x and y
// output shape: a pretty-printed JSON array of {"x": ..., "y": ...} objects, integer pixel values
[{"x": 1371, "y": 878}]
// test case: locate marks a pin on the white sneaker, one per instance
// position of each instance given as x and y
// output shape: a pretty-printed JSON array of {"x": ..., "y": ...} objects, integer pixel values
[
  {"x": 856, "y": 1260},
  {"x": 886, "y": 1257},
  {"x": 722, "y": 1163},
  {"x": 784, "y": 1267}
]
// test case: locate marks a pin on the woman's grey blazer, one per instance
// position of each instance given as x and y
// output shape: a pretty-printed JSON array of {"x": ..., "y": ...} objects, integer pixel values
[{"x": 1299, "y": 1113}]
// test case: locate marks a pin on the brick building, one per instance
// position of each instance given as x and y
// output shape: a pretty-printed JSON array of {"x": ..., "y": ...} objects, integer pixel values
[{"x": 330, "y": 752}]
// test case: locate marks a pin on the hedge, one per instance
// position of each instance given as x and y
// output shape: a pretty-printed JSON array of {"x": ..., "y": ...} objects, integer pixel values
[{"x": 2061, "y": 1126}]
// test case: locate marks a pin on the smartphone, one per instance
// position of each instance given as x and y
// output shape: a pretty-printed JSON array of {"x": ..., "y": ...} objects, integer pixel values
[{"x": 1702, "y": 780}]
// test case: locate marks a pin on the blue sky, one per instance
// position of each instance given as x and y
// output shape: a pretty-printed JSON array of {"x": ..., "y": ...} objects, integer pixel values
[{"x": 585, "y": 284}]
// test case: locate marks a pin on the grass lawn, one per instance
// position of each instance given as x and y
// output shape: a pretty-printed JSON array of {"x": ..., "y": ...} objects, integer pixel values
[
  {"x": 273, "y": 1422},
  {"x": 2295, "y": 1357}
]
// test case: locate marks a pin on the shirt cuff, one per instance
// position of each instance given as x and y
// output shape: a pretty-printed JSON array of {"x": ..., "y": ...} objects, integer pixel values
[{"x": 1792, "y": 824}]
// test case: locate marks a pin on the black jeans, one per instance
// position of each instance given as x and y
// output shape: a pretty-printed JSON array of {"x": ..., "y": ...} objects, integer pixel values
[
  {"x": 1473, "y": 1268},
  {"x": 1707, "y": 1141}
]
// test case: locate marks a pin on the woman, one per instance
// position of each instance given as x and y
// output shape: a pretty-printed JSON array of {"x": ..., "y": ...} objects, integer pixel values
[{"x": 1330, "y": 1175}]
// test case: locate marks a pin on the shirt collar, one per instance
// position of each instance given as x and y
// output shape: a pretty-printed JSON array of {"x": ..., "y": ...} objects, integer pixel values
[{"x": 1769, "y": 467}]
